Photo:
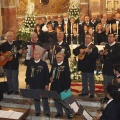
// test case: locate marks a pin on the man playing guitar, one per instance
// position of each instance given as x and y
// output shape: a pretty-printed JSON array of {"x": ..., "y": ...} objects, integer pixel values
[
  {"x": 12, "y": 65},
  {"x": 87, "y": 64}
]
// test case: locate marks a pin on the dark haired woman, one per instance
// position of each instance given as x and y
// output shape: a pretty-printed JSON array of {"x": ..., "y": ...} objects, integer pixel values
[{"x": 39, "y": 32}]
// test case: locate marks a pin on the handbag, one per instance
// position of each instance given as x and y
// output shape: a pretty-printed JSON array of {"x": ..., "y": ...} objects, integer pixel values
[
  {"x": 66, "y": 94},
  {"x": 3, "y": 87}
]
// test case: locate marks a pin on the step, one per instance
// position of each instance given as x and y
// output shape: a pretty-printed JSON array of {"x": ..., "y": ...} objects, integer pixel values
[{"x": 16, "y": 101}]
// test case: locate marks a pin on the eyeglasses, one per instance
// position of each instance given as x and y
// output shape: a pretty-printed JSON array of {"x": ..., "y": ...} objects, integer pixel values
[
  {"x": 88, "y": 37},
  {"x": 110, "y": 37},
  {"x": 58, "y": 57}
]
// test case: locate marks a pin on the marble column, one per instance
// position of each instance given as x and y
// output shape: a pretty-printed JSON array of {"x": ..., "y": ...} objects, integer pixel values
[{"x": 9, "y": 15}]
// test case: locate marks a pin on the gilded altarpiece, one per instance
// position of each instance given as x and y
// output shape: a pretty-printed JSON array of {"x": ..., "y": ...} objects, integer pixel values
[{"x": 54, "y": 7}]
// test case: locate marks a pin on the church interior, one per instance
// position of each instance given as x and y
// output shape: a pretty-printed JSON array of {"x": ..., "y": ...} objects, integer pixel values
[{"x": 75, "y": 20}]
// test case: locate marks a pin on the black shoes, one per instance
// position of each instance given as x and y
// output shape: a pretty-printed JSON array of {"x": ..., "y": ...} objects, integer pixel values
[
  {"x": 37, "y": 114},
  {"x": 58, "y": 115},
  {"x": 47, "y": 114},
  {"x": 9, "y": 92},
  {"x": 70, "y": 116},
  {"x": 16, "y": 92},
  {"x": 91, "y": 96},
  {"x": 82, "y": 94}
]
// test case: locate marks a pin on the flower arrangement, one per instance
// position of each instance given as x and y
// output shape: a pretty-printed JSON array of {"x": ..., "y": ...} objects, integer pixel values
[
  {"x": 98, "y": 78},
  {"x": 74, "y": 9},
  {"x": 28, "y": 24},
  {"x": 75, "y": 74},
  {"x": 26, "y": 27}
]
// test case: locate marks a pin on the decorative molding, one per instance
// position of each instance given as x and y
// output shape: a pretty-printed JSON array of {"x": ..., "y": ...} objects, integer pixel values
[
  {"x": 52, "y": 8},
  {"x": 8, "y": 3}
]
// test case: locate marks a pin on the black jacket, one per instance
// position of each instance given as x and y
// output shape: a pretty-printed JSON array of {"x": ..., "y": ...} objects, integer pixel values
[
  {"x": 112, "y": 111},
  {"x": 88, "y": 64},
  {"x": 37, "y": 75},
  {"x": 61, "y": 79},
  {"x": 14, "y": 63},
  {"x": 113, "y": 57}
]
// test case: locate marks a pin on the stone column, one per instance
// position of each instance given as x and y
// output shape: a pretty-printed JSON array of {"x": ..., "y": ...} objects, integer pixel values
[{"x": 9, "y": 15}]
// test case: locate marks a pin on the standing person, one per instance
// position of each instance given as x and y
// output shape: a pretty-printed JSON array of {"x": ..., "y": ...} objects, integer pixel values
[
  {"x": 111, "y": 56},
  {"x": 11, "y": 67},
  {"x": 37, "y": 77},
  {"x": 39, "y": 33},
  {"x": 87, "y": 65},
  {"x": 60, "y": 46},
  {"x": 31, "y": 45},
  {"x": 60, "y": 81}
]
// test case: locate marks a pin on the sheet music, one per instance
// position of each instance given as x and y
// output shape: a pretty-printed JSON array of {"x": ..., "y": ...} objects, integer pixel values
[
  {"x": 5, "y": 114},
  {"x": 86, "y": 115},
  {"x": 74, "y": 106},
  {"x": 16, "y": 115}
]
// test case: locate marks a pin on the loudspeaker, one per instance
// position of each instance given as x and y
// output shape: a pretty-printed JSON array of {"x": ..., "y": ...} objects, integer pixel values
[
  {"x": 3, "y": 87},
  {"x": 1, "y": 95}
]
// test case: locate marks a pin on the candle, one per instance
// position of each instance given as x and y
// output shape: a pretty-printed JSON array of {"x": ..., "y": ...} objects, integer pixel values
[
  {"x": 106, "y": 3},
  {"x": 77, "y": 28},
  {"x": 71, "y": 28},
  {"x": 117, "y": 22},
  {"x": 40, "y": 1},
  {"x": 110, "y": 28},
  {"x": 66, "y": 29}
]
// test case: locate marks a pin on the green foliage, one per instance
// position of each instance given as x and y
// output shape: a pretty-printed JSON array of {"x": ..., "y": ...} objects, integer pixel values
[
  {"x": 74, "y": 12},
  {"x": 26, "y": 27},
  {"x": 75, "y": 74}
]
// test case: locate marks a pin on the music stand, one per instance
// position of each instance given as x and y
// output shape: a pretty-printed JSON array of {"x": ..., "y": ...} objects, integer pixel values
[
  {"x": 54, "y": 95},
  {"x": 73, "y": 106},
  {"x": 30, "y": 93},
  {"x": 43, "y": 93}
]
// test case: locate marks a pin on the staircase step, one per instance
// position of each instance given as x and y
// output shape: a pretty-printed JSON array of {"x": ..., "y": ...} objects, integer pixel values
[{"x": 16, "y": 101}]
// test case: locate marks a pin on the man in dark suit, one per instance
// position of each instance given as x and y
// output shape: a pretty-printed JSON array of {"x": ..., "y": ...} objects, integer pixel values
[
  {"x": 37, "y": 77},
  {"x": 53, "y": 22},
  {"x": 60, "y": 81},
  {"x": 87, "y": 64},
  {"x": 62, "y": 47},
  {"x": 11, "y": 67},
  {"x": 111, "y": 56},
  {"x": 65, "y": 19},
  {"x": 112, "y": 110}
]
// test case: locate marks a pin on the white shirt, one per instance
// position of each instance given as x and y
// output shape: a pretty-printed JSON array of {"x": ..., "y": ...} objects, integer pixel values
[
  {"x": 60, "y": 63},
  {"x": 37, "y": 61},
  {"x": 60, "y": 43},
  {"x": 112, "y": 44},
  {"x": 109, "y": 101}
]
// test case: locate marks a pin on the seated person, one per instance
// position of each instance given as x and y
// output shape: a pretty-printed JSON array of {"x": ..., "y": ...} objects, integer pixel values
[{"x": 112, "y": 110}]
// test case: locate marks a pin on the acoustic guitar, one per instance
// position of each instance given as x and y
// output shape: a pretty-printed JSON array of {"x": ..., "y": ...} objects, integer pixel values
[
  {"x": 82, "y": 56},
  {"x": 8, "y": 57}
]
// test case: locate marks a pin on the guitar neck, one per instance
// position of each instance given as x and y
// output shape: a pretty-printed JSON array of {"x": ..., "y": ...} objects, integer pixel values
[{"x": 11, "y": 54}]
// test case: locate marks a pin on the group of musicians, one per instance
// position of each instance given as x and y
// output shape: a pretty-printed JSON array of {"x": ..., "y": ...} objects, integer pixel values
[{"x": 37, "y": 73}]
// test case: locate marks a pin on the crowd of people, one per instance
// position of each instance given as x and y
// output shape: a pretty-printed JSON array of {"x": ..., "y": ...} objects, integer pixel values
[{"x": 57, "y": 36}]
